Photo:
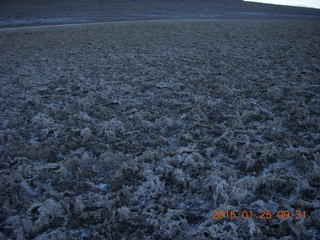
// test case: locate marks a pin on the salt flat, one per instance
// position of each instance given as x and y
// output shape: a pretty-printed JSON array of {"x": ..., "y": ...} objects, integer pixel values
[{"x": 139, "y": 130}]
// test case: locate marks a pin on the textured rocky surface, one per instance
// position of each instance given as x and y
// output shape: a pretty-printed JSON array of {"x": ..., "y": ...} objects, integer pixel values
[{"x": 140, "y": 130}]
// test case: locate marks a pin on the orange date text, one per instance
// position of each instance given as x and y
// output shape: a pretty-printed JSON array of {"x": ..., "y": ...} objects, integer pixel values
[{"x": 262, "y": 214}]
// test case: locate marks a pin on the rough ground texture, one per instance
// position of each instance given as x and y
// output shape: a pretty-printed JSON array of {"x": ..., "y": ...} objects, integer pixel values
[{"x": 140, "y": 130}]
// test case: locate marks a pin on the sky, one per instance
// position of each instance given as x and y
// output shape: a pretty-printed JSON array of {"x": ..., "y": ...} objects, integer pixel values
[{"x": 300, "y": 3}]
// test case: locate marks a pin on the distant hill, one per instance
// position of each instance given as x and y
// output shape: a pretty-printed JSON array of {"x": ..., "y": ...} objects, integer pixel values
[{"x": 36, "y": 12}]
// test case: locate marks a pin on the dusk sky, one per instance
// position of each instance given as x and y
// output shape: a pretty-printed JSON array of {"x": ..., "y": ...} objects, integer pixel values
[{"x": 301, "y": 3}]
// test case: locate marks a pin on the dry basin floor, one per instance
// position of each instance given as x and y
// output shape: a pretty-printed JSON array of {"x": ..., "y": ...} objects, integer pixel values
[{"x": 140, "y": 130}]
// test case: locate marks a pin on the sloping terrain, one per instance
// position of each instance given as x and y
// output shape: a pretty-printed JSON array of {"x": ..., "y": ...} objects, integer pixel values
[
  {"x": 36, "y": 12},
  {"x": 140, "y": 130}
]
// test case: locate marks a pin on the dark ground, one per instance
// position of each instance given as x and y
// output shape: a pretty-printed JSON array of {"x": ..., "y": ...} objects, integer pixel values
[
  {"x": 17, "y": 13},
  {"x": 139, "y": 130}
]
